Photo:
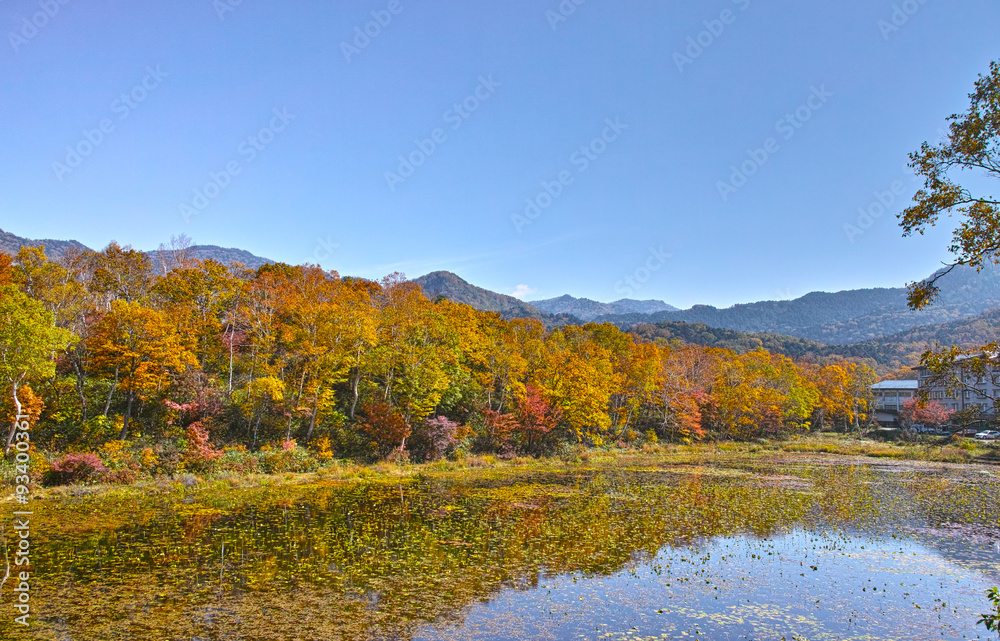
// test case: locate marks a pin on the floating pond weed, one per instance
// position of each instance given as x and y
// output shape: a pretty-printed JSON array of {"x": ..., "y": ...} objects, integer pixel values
[{"x": 661, "y": 543}]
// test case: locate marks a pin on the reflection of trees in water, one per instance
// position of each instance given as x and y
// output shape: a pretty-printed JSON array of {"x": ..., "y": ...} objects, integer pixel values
[{"x": 375, "y": 558}]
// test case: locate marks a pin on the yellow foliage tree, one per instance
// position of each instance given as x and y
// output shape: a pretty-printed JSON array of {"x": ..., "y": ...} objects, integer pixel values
[{"x": 140, "y": 348}]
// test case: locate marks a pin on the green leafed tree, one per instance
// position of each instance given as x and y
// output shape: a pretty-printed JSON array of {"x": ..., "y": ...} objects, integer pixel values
[{"x": 29, "y": 340}]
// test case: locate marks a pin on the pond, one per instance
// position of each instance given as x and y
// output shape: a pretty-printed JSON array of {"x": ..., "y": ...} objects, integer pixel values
[{"x": 723, "y": 549}]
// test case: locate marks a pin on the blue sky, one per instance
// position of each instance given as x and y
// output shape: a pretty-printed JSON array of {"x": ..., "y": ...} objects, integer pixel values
[{"x": 277, "y": 128}]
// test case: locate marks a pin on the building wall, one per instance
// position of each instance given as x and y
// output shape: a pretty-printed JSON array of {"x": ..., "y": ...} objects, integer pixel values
[
  {"x": 891, "y": 399},
  {"x": 980, "y": 395}
]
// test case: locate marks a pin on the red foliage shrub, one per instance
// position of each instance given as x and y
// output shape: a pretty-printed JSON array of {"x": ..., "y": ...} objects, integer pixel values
[
  {"x": 926, "y": 413},
  {"x": 199, "y": 453},
  {"x": 536, "y": 417},
  {"x": 75, "y": 468},
  {"x": 385, "y": 425}
]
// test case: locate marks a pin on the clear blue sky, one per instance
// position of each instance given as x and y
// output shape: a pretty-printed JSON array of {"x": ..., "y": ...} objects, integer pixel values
[{"x": 216, "y": 72}]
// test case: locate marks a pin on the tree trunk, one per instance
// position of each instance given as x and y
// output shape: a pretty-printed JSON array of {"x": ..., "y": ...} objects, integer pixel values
[
  {"x": 17, "y": 416},
  {"x": 81, "y": 377},
  {"x": 255, "y": 429},
  {"x": 231, "y": 339},
  {"x": 356, "y": 381},
  {"x": 128, "y": 415},
  {"x": 312, "y": 421},
  {"x": 114, "y": 386}
]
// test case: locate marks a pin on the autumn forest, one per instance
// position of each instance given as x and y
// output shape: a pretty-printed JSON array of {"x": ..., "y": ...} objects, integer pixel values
[{"x": 132, "y": 368}]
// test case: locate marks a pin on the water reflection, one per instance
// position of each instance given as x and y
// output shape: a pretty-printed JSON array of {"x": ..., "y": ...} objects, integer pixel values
[
  {"x": 754, "y": 551},
  {"x": 803, "y": 585}
]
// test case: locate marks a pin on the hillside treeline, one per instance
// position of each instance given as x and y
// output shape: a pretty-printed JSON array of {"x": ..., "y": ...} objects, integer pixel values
[
  {"x": 843, "y": 318},
  {"x": 192, "y": 361}
]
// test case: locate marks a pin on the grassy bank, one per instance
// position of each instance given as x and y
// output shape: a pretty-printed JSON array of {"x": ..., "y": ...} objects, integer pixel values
[{"x": 308, "y": 468}]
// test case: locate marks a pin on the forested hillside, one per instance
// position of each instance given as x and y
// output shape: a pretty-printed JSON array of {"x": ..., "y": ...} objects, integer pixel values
[
  {"x": 843, "y": 317},
  {"x": 456, "y": 289},
  {"x": 682, "y": 333},
  {"x": 203, "y": 364},
  {"x": 885, "y": 354}
]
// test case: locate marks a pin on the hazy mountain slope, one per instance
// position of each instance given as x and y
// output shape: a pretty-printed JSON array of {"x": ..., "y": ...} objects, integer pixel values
[
  {"x": 740, "y": 342},
  {"x": 586, "y": 309},
  {"x": 843, "y": 317},
  {"x": 224, "y": 255},
  {"x": 905, "y": 348},
  {"x": 886, "y": 354},
  {"x": 454, "y": 288},
  {"x": 56, "y": 249}
]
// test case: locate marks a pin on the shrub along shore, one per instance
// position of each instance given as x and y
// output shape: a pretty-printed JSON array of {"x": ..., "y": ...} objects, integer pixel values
[{"x": 115, "y": 467}]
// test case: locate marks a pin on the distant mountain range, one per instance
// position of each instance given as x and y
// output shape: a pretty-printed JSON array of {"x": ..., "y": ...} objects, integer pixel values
[
  {"x": 861, "y": 323},
  {"x": 454, "y": 288},
  {"x": 56, "y": 250},
  {"x": 224, "y": 255},
  {"x": 885, "y": 354},
  {"x": 841, "y": 318},
  {"x": 587, "y": 310},
  {"x": 565, "y": 308},
  {"x": 845, "y": 317}
]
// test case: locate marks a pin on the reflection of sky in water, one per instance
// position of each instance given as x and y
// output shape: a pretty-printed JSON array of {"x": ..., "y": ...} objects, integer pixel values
[{"x": 802, "y": 585}]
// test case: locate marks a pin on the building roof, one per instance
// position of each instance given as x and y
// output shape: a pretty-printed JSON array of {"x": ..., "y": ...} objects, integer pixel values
[{"x": 897, "y": 385}]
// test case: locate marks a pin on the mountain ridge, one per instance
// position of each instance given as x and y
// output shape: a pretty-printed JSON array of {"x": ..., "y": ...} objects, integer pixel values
[
  {"x": 454, "y": 287},
  {"x": 57, "y": 249},
  {"x": 587, "y": 309},
  {"x": 843, "y": 318},
  {"x": 886, "y": 354}
]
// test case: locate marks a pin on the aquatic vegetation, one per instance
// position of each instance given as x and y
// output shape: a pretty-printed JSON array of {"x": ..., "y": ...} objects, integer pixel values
[{"x": 439, "y": 552}]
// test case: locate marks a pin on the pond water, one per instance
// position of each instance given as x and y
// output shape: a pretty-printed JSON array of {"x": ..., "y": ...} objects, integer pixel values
[
  {"x": 803, "y": 585},
  {"x": 729, "y": 549}
]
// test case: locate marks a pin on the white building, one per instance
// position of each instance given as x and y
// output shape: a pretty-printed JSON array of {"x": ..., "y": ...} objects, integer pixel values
[
  {"x": 969, "y": 389},
  {"x": 890, "y": 395}
]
